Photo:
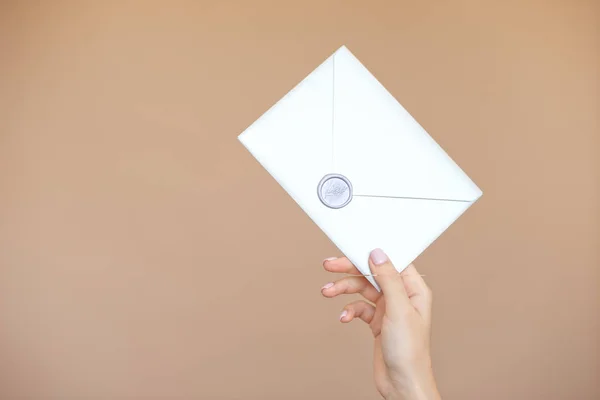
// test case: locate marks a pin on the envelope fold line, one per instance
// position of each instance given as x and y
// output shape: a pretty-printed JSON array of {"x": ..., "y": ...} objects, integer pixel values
[
  {"x": 413, "y": 198},
  {"x": 380, "y": 146},
  {"x": 333, "y": 113}
]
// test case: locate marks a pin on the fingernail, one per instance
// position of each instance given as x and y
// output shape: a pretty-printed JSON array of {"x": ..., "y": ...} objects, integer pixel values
[
  {"x": 378, "y": 257},
  {"x": 330, "y": 259},
  {"x": 330, "y": 284},
  {"x": 343, "y": 314}
]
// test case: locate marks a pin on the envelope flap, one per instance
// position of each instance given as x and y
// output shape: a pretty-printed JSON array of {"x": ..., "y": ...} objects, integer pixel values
[
  {"x": 381, "y": 148},
  {"x": 292, "y": 140}
]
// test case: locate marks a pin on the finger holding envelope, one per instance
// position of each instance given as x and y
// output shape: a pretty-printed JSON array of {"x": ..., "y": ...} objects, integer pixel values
[
  {"x": 350, "y": 284},
  {"x": 417, "y": 290},
  {"x": 403, "y": 291},
  {"x": 340, "y": 265}
]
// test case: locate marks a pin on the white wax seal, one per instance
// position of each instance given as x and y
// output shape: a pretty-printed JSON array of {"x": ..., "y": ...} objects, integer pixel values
[{"x": 334, "y": 191}]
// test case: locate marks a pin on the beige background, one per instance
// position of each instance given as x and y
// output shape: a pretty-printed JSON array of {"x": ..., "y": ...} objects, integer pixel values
[{"x": 130, "y": 270}]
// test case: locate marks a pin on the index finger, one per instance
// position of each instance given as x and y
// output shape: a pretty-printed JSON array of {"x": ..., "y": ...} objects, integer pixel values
[
  {"x": 340, "y": 265},
  {"x": 413, "y": 281},
  {"x": 417, "y": 291}
]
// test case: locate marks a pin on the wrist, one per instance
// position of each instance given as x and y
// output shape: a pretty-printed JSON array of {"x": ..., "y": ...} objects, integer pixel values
[{"x": 417, "y": 386}]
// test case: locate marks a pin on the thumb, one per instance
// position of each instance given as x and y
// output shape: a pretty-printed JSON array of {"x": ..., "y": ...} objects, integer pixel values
[{"x": 390, "y": 282}]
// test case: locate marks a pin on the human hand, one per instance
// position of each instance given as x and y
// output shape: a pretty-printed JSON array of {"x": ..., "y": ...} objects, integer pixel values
[{"x": 400, "y": 319}]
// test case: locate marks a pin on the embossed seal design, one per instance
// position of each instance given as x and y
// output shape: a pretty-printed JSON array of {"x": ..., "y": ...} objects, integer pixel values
[{"x": 334, "y": 191}]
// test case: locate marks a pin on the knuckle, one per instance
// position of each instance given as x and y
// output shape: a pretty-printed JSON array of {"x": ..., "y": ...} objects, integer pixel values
[{"x": 346, "y": 285}]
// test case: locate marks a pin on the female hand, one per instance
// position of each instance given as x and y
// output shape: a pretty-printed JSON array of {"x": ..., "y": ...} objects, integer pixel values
[{"x": 399, "y": 317}]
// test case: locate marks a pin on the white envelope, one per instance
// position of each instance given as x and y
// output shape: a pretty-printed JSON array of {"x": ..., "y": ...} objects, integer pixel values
[{"x": 398, "y": 189}]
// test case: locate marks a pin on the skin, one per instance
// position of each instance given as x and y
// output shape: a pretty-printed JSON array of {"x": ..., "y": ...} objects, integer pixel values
[{"x": 400, "y": 319}]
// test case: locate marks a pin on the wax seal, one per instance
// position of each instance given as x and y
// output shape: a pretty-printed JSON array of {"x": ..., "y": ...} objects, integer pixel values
[{"x": 334, "y": 191}]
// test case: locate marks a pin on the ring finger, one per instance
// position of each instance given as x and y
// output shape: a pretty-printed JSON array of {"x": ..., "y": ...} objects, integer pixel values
[{"x": 351, "y": 285}]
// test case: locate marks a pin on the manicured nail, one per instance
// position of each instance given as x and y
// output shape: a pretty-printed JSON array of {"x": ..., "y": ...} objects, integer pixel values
[
  {"x": 330, "y": 259},
  {"x": 330, "y": 284},
  {"x": 343, "y": 314},
  {"x": 378, "y": 257}
]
